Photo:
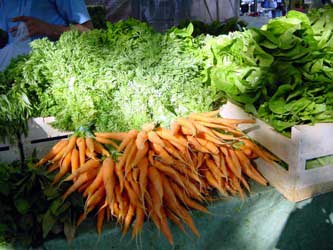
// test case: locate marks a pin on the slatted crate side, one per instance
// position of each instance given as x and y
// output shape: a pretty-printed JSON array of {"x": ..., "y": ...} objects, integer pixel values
[
  {"x": 283, "y": 147},
  {"x": 306, "y": 142},
  {"x": 41, "y": 137},
  {"x": 278, "y": 177},
  {"x": 41, "y": 128}
]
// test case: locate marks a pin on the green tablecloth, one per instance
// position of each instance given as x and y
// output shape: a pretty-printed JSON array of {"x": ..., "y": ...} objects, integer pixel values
[{"x": 265, "y": 220}]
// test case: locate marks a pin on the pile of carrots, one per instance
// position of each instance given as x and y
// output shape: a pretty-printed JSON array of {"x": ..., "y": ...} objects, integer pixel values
[{"x": 157, "y": 173}]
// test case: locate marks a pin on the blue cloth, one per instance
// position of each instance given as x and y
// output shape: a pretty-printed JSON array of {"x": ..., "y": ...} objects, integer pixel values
[{"x": 58, "y": 12}]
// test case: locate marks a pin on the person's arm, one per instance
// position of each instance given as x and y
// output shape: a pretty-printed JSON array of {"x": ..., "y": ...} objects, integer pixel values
[{"x": 38, "y": 27}]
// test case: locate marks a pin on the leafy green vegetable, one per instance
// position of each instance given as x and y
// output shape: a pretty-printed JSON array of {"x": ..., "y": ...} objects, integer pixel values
[
  {"x": 238, "y": 66},
  {"x": 118, "y": 78},
  {"x": 15, "y": 106},
  {"x": 30, "y": 207},
  {"x": 282, "y": 72}
]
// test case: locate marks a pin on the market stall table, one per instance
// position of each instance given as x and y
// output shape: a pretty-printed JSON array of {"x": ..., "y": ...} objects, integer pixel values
[{"x": 265, "y": 220}]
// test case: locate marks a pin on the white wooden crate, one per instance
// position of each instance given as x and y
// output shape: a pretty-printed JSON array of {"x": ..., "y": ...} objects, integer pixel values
[
  {"x": 306, "y": 143},
  {"x": 41, "y": 137}
]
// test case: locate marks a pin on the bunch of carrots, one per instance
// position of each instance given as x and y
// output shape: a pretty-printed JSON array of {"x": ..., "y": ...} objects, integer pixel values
[{"x": 157, "y": 173}]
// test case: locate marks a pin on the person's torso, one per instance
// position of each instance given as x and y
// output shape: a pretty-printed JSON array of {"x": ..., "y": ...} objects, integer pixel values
[{"x": 45, "y": 10}]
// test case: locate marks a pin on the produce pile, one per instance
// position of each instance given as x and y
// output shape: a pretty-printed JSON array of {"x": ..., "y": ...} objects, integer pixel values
[
  {"x": 282, "y": 72},
  {"x": 157, "y": 173}
]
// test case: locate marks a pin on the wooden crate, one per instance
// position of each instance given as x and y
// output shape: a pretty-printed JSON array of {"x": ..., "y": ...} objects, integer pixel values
[
  {"x": 306, "y": 142},
  {"x": 41, "y": 137}
]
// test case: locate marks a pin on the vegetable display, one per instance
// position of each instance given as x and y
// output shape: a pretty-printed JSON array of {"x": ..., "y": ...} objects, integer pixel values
[
  {"x": 157, "y": 173},
  {"x": 128, "y": 75}
]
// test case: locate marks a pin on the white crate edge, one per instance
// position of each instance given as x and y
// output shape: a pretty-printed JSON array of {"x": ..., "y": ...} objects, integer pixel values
[{"x": 306, "y": 142}]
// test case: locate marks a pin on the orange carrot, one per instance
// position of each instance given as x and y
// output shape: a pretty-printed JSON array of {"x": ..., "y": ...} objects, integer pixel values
[
  {"x": 90, "y": 144},
  {"x": 75, "y": 159},
  {"x": 214, "y": 170},
  {"x": 186, "y": 131},
  {"x": 60, "y": 155},
  {"x": 90, "y": 164},
  {"x": 64, "y": 168},
  {"x": 98, "y": 181},
  {"x": 100, "y": 149},
  {"x": 81, "y": 144},
  {"x": 53, "y": 166},
  {"x": 143, "y": 166},
  {"x": 134, "y": 200},
  {"x": 118, "y": 136},
  {"x": 187, "y": 201},
  {"x": 95, "y": 198},
  {"x": 173, "y": 151},
  {"x": 106, "y": 141},
  {"x": 236, "y": 162},
  {"x": 153, "y": 137},
  {"x": 130, "y": 135},
  {"x": 79, "y": 182},
  {"x": 130, "y": 157},
  {"x": 162, "y": 154},
  {"x": 197, "y": 146},
  {"x": 91, "y": 155},
  {"x": 128, "y": 219},
  {"x": 81, "y": 218},
  {"x": 175, "y": 128},
  {"x": 210, "y": 138},
  {"x": 53, "y": 152},
  {"x": 140, "y": 154},
  {"x": 84, "y": 187},
  {"x": 124, "y": 157},
  {"x": 156, "y": 200},
  {"x": 100, "y": 220},
  {"x": 139, "y": 220},
  {"x": 169, "y": 172},
  {"x": 223, "y": 136},
  {"x": 109, "y": 178},
  {"x": 165, "y": 227},
  {"x": 175, "y": 220},
  {"x": 120, "y": 175},
  {"x": 167, "y": 135},
  {"x": 70, "y": 145},
  {"x": 209, "y": 145},
  {"x": 213, "y": 182},
  {"x": 141, "y": 140},
  {"x": 155, "y": 178}
]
